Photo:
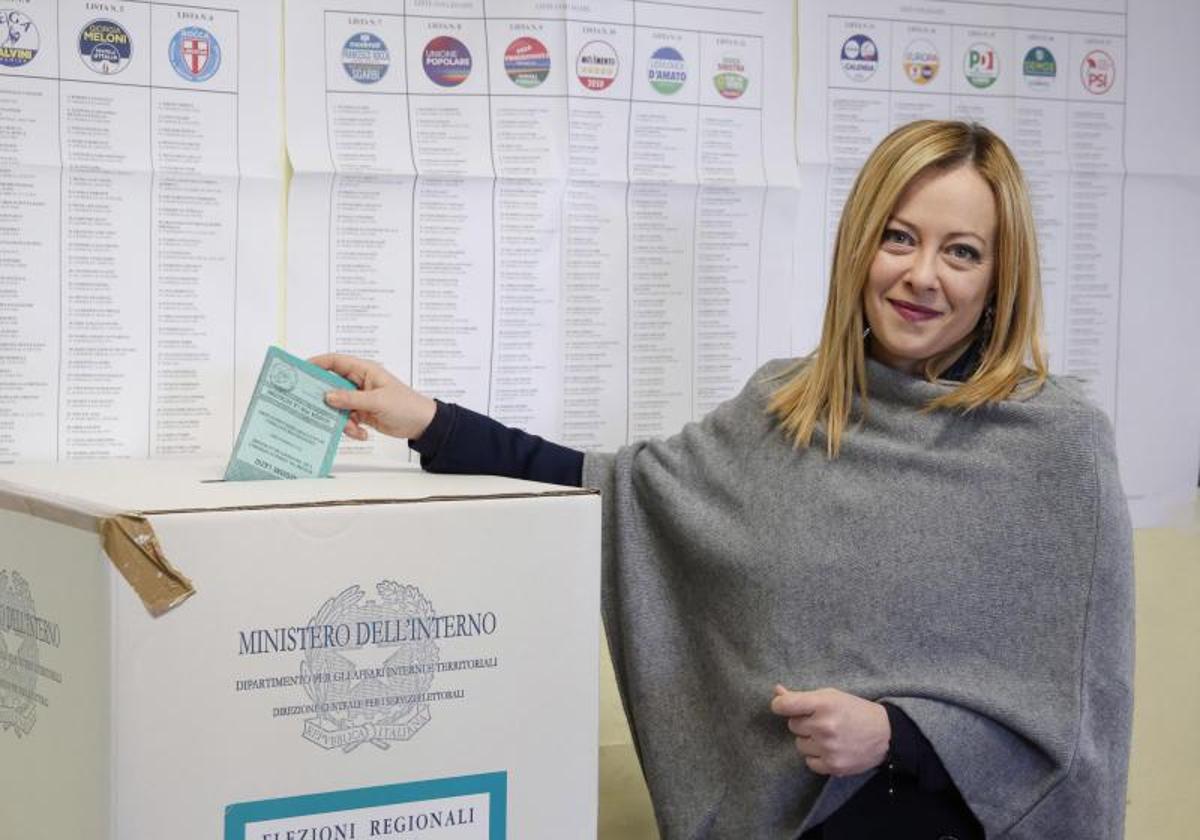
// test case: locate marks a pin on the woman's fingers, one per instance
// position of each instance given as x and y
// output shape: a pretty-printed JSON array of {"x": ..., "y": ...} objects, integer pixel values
[{"x": 361, "y": 372}]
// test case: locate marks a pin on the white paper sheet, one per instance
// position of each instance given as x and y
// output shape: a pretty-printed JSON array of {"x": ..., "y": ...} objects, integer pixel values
[
  {"x": 585, "y": 250},
  {"x": 1069, "y": 85},
  {"x": 141, "y": 152}
]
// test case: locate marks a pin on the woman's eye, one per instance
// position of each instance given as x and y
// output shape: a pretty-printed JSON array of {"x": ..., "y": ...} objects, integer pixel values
[
  {"x": 965, "y": 253},
  {"x": 897, "y": 237}
]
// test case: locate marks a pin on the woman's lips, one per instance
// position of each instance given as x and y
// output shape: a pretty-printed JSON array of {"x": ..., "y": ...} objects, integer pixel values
[{"x": 912, "y": 312}]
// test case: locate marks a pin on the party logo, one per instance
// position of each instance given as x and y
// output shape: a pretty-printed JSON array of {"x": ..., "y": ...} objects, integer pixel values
[
  {"x": 921, "y": 62},
  {"x": 527, "y": 62},
  {"x": 859, "y": 58},
  {"x": 596, "y": 65},
  {"x": 1098, "y": 72},
  {"x": 105, "y": 47},
  {"x": 447, "y": 61},
  {"x": 195, "y": 54},
  {"x": 667, "y": 71},
  {"x": 981, "y": 65},
  {"x": 365, "y": 58},
  {"x": 731, "y": 81},
  {"x": 20, "y": 39}
]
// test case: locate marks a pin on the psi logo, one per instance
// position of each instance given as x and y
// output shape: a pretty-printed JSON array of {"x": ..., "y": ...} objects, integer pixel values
[{"x": 1098, "y": 71}]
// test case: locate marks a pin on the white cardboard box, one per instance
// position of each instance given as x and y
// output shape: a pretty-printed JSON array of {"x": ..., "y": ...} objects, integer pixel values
[{"x": 385, "y": 653}]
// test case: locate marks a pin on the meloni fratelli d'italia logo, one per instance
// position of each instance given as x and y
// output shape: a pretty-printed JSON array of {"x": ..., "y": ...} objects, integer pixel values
[
  {"x": 20, "y": 39},
  {"x": 105, "y": 47},
  {"x": 23, "y": 636},
  {"x": 368, "y": 664}
]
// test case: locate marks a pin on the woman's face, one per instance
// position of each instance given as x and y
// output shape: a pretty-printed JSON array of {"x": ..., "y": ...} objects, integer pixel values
[{"x": 932, "y": 274}]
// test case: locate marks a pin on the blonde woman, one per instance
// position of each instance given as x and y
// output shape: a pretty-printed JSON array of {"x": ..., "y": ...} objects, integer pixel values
[{"x": 886, "y": 591}]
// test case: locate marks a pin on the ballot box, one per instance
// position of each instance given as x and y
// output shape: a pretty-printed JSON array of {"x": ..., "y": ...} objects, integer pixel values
[{"x": 383, "y": 653}]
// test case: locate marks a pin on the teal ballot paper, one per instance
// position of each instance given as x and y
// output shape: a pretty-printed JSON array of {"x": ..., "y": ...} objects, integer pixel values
[{"x": 289, "y": 431}]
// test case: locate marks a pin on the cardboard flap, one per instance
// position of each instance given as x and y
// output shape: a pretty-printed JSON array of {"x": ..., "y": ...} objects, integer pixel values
[{"x": 131, "y": 545}]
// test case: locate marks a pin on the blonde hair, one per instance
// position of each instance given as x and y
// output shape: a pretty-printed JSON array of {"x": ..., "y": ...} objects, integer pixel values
[{"x": 819, "y": 390}]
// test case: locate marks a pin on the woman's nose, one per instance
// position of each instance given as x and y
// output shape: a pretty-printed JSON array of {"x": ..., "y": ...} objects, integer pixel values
[{"x": 923, "y": 273}]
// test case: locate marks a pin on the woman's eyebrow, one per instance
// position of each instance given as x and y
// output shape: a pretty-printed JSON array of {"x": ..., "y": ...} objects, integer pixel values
[{"x": 950, "y": 235}]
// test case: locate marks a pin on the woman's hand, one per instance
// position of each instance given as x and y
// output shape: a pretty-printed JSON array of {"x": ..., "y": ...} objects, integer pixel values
[
  {"x": 837, "y": 733},
  {"x": 382, "y": 402}
]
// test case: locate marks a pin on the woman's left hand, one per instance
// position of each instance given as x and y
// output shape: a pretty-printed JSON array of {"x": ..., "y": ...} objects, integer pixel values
[{"x": 837, "y": 733}]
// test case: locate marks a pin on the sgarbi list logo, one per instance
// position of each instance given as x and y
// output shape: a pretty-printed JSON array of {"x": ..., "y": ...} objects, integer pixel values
[{"x": 368, "y": 665}]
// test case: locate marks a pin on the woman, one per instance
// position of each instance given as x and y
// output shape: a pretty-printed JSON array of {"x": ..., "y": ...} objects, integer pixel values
[{"x": 886, "y": 591}]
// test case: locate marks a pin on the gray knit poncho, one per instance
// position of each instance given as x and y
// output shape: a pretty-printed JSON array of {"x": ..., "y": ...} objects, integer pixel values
[{"x": 974, "y": 570}]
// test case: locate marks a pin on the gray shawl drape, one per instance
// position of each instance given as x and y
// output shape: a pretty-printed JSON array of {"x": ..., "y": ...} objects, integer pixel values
[{"x": 973, "y": 569}]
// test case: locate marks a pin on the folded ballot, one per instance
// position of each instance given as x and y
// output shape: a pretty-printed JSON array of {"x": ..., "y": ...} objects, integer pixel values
[{"x": 289, "y": 431}]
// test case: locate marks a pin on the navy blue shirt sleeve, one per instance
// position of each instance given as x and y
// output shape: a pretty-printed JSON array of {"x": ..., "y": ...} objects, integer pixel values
[
  {"x": 912, "y": 753},
  {"x": 459, "y": 440}
]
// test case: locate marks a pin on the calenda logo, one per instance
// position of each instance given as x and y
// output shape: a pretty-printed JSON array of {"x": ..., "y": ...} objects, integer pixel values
[{"x": 859, "y": 58}]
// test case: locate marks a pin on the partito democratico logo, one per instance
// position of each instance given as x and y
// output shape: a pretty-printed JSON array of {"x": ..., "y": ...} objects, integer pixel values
[
  {"x": 981, "y": 65},
  {"x": 859, "y": 57}
]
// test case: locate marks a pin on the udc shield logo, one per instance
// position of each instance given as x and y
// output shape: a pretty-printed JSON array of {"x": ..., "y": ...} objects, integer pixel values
[
  {"x": 105, "y": 47},
  {"x": 370, "y": 702},
  {"x": 21, "y": 40},
  {"x": 365, "y": 58},
  {"x": 859, "y": 57},
  {"x": 195, "y": 54},
  {"x": 1098, "y": 72}
]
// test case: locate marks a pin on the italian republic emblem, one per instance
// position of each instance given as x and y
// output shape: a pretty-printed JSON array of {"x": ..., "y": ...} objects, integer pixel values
[{"x": 370, "y": 702}]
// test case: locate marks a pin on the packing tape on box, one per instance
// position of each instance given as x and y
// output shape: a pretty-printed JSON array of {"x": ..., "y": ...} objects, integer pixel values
[{"x": 131, "y": 545}]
